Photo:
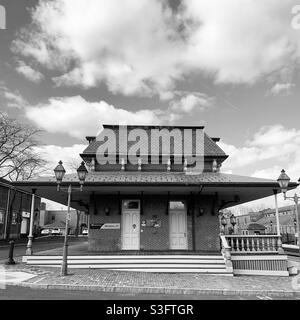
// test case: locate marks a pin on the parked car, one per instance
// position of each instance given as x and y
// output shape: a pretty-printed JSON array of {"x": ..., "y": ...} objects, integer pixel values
[
  {"x": 45, "y": 231},
  {"x": 55, "y": 231},
  {"x": 85, "y": 232}
]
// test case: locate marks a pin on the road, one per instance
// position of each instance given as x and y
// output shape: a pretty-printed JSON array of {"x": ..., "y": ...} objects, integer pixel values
[
  {"x": 38, "y": 245},
  {"x": 21, "y": 293}
]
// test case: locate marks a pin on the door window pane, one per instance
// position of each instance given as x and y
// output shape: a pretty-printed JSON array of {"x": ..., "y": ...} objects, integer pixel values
[
  {"x": 131, "y": 204},
  {"x": 1, "y": 216},
  {"x": 176, "y": 204}
]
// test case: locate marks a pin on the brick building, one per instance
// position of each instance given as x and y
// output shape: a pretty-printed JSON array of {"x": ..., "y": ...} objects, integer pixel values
[
  {"x": 162, "y": 207},
  {"x": 287, "y": 221},
  {"x": 15, "y": 211}
]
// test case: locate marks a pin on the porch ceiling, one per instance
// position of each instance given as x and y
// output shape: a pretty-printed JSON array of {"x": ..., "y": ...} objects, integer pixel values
[{"x": 226, "y": 186}]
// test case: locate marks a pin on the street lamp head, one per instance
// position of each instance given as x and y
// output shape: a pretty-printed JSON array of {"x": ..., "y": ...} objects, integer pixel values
[
  {"x": 233, "y": 220},
  {"x": 82, "y": 172},
  {"x": 223, "y": 221},
  {"x": 283, "y": 181},
  {"x": 59, "y": 172}
]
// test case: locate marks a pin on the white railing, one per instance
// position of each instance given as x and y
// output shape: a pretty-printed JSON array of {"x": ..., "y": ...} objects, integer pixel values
[
  {"x": 254, "y": 255},
  {"x": 226, "y": 253},
  {"x": 254, "y": 243}
]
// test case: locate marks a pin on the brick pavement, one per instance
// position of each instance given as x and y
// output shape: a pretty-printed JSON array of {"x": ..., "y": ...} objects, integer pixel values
[
  {"x": 133, "y": 282},
  {"x": 125, "y": 281}
]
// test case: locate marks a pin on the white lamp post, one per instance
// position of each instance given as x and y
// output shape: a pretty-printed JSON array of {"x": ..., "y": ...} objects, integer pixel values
[
  {"x": 283, "y": 181},
  {"x": 59, "y": 174}
]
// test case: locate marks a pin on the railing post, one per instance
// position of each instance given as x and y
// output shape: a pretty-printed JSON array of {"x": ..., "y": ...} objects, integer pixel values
[
  {"x": 263, "y": 244},
  {"x": 247, "y": 244},
  {"x": 253, "y": 244},
  {"x": 228, "y": 261},
  {"x": 268, "y": 244},
  {"x": 226, "y": 254},
  {"x": 279, "y": 245}
]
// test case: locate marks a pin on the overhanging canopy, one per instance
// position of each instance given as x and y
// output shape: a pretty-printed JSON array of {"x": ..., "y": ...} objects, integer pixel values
[{"x": 230, "y": 189}]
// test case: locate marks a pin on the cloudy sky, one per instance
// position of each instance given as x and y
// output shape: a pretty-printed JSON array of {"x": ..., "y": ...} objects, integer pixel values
[{"x": 68, "y": 66}]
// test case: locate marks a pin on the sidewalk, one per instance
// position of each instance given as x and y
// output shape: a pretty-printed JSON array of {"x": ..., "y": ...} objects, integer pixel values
[{"x": 162, "y": 283}]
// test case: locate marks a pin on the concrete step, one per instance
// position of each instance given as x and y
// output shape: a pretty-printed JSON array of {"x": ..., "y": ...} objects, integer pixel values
[
  {"x": 154, "y": 263},
  {"x": 132, "y": 265},
  {"x": 127, "y": 257},
  {"x": 161, "y": 270},
  {"x": 131, "y": 261}
]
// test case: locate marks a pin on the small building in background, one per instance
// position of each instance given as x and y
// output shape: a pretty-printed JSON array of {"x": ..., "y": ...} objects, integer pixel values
[
  {"x": 15, "y": 206},
  {"x": 55, "y": 221},
  {"x": 255, "y": 229},
  {"x": 267, "y": 219}
]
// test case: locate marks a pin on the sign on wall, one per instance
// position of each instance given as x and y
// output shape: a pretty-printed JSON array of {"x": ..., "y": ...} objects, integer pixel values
[
  {"x": 104, "y": 226},
  {"x": 111, "y": 226},
  {"x": 96, "y": 225},
  {"x": 25, "y": 214}
]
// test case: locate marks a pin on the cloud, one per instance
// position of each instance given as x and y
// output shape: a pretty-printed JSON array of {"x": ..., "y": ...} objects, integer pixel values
[
  {"x": 29, "y": 73},
  {"x": 274, "y": 147},
  {"x": 12, "y": 99},
  {"x": 130, "y": 44},
  {"x": 71, "y": 161},
  {"x": 144, "y": 47},
  {"x": 271, "y": 149},
  {"x": 281, "y": 89},
  {"x": 77, "y": 117},
  {"x": 53, "y": 153},
  {"x": 241, "y": 43},
  {"x": 192, "y": 101}
]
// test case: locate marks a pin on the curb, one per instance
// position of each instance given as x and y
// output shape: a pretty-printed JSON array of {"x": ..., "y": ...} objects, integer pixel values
[{"x": 159, "y": 290}]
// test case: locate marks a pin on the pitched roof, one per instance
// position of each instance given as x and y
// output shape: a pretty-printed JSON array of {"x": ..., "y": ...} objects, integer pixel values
[
  {"x": 281, "y": 209},
  {"x": 284, "y": 220},
  {"x": 255, "y": 226},
  {"x": 210, "y": 146},
  {"x": 134, "y": 177}
]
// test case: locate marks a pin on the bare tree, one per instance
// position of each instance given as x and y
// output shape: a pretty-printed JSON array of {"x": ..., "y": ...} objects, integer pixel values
[{"x": 18, "y": 159}]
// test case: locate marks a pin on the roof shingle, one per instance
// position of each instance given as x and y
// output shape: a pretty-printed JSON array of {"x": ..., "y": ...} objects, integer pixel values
[
  {"x": 210, "y": 146},
  {"x": 133, "y": 177}
]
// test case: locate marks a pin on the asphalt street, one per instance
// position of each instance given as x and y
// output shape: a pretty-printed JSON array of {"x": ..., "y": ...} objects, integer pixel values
[
  {"x": 38, "y": 245},
  {"x": 22, "y": 293}
]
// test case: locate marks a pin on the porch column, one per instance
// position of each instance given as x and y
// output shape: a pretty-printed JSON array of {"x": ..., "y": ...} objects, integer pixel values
[
  {"x": 7, "y": 220},
  {"x": 29, "y": 251},
  {"x": 279, "y": 243}
]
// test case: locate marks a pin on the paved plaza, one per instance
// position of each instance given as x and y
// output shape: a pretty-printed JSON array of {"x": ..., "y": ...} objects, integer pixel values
[
  {"x": 158, "y": 283},
  {"x": 129, "y": 282}
]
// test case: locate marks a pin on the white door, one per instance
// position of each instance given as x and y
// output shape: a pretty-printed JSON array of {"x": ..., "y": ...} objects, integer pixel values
[
  {"x": 130, "y": 226},
  {"x": 178, "y": 230},
  {"x": 24, "y": 226}
]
